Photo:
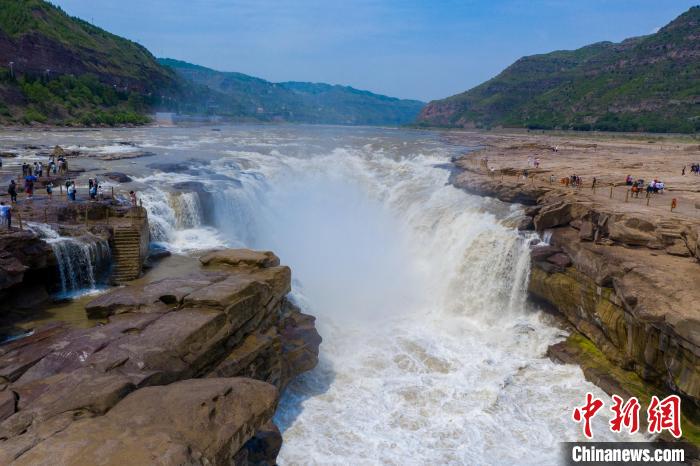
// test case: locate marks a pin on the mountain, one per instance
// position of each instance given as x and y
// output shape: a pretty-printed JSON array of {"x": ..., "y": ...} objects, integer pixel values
[
  {"x": 244, "y": 96},
  {"x": 61, "y": 69},
  {"x": 649, "y": 83}
]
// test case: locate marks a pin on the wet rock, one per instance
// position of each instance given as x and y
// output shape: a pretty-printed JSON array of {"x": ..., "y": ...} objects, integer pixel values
[
  {"x": 263, "y": 448},
  {"x": 26, "y": 261},
  {"x": 561, "y": 260},
  {"x": 118, "y": 177}
]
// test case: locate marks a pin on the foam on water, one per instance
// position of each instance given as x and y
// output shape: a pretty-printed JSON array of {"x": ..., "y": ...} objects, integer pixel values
[{"x": 431, "y": 353}]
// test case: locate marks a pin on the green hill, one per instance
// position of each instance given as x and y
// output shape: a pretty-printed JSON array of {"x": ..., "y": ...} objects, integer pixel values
[
  {"x": 240, "y": 95},
  {"x": 649, "y": 83},
  {"x": 60, "y": 69}
]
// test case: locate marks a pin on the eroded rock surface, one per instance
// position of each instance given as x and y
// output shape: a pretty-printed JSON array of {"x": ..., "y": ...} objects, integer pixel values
[
  {"x": 625, "y": 278},
  {"x": 231, "y": 319}
]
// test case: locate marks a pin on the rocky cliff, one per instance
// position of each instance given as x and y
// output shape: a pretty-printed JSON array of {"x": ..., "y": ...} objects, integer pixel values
[
  {"x": 625, "y": 280},
  {"x": 184, "y": 371}
]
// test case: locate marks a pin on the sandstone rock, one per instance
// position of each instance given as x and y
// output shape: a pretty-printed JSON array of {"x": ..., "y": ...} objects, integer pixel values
[
  {"x": 587, "y": 231},
  {"x": 263, "y": 448},
  {"x": 240, "y": 257},
  {"x": 678, "y": 248},
  {"x": 8, "y": 404},
  {"x": 229, "y": 320},
  {"x": 202, "y": 421},
  {"x": 632, "y": 231},
  {"x": 561, "y": 260},
  {"x": 20, "y": 252},
  {"x": 553, "y": 216}
]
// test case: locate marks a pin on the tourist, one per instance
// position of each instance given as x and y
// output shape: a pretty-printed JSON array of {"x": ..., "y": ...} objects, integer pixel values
[
  {"x": 6, "y": 215},
  {"x": 71, "y": 191},
  {"x": 537, "y": 162},
  {"x": 132, "y": 196},
  {"x": 683, "y": 171},
  {"x": 29, "y": 187},
  {"x": 628, "y": 180},
  {"x": 100, "y": 194},
  {"x": 49, "y": 190},
  {"x": 12, "y": 191},
  {"x": 594, "y": 181},
  {"x": 93, "y": 191}
]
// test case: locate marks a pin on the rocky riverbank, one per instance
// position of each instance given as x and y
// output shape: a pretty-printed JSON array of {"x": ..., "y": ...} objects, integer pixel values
[
  {"x": 624, "y": 277},
  {"x": 185, "y": 370}
]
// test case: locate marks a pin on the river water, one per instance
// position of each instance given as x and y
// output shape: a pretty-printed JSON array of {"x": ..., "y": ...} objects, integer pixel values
[{"x": 431, "y": 353}]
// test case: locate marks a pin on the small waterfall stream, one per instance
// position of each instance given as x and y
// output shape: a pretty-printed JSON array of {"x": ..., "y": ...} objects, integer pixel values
[{"x": 81, "y": 261}]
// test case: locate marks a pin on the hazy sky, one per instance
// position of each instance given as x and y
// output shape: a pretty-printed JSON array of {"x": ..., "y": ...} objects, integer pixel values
[{"x": 403, "y": 48}]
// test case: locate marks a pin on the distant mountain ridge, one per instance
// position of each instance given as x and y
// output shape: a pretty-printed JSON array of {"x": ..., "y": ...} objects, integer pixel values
[
  {"x": 59, "y": 69},
  {"x": 302, "y": 102},
  {"x": 649, "y": 83}
]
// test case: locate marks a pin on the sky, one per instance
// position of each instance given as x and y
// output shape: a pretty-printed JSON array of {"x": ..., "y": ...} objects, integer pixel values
[{"x": 403, "y": 48}]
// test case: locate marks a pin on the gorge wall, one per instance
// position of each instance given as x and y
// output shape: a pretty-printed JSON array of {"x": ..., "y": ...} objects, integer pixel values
[
  {"x": 627, "y": 281},
  {"x": 184, "y": 371}
]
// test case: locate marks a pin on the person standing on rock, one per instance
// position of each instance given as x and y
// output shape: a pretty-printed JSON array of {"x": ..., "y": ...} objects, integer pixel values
[
  {"x": 12, "y": 191},
  {"x": 6, "y": 215},
  {"x": 71, "y": 192},
  {"x": 49, "y": 190},
  {"x": 132, "y": 196}
]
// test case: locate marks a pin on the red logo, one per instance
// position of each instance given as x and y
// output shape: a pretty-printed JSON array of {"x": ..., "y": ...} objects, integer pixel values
[
  {"x": 665, "y": 415},
  {"x": 586, "y": 412},
  {"x": 626, "y": 415},
  {"x": 661, "y": 415}
]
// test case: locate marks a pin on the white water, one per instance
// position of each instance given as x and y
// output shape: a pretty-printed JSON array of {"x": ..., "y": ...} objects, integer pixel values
[
  {"x": 431, "y": 354},
  {"x": 79, "y": 260}
]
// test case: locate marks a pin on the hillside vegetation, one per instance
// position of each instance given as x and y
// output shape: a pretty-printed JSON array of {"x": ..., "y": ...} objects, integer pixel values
[
  {"x": 62, "y": 70},
  {"x": 240, "y": 95},
  {"x": 649, "y": 83}
]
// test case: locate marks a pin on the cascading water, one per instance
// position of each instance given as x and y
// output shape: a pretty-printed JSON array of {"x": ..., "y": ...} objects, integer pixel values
[
  {"x": 175, "y": 220},
  {"x": 431, "y": 354},
  {"x": 80, "y": 261}
]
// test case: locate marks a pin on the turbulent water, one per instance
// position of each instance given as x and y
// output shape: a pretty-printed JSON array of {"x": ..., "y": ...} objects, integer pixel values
[
  {"x": 80, "y": 261},
  {"x": 431, "y": 354}
]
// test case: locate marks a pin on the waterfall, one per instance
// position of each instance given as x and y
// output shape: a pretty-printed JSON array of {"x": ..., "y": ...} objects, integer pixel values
[
  {"x": 432, "y": 353},
  {"x": 81, "y": 261},
  {"x": 176, "y": 221}
]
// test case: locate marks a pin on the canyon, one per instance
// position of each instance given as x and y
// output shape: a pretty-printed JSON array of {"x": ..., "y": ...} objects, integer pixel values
[{"x": 622, "y": 273}]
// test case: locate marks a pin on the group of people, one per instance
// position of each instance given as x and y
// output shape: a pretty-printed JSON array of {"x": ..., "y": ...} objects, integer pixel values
[
  {"x": 95, "y": 190},
  {"x": 533, "y": 162},
  {"x": 637, "y": 186},
  {"x": 694, "y": 169},
  {"x": 574, "y": 181}
]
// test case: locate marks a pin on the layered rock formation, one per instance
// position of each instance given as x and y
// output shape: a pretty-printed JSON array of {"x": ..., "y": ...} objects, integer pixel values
[
  {"x": 25, "y": 261},
  {"x": 167, "y": 380},
  {"x": 626, "y": 280}
]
